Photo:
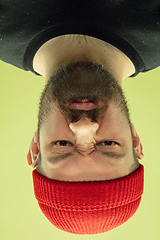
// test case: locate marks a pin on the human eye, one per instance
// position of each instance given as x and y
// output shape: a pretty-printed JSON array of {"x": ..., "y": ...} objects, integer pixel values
[
  {"x": 62, "y": 143},
  {"x": 107, "y": 143}
]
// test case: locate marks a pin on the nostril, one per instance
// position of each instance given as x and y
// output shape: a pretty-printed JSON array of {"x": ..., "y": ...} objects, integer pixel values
[
  {"x": 78, "y": 119},
  {"x": 84, "y": 129}
]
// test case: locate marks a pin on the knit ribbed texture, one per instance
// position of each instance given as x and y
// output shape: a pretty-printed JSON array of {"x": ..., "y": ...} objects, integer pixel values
[{"x": 89, "y": 207}]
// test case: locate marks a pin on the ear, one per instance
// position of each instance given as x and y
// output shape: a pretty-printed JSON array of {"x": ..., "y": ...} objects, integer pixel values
[
  {"x": 136, "y": 143},
  {"x": 33, "y": 152}
]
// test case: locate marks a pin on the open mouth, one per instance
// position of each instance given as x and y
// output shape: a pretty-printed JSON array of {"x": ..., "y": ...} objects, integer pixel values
[{"x": 83, "y": 105}]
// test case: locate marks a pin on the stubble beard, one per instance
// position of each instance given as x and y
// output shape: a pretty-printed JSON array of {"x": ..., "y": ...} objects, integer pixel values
[{"x": 77, "y": 81}]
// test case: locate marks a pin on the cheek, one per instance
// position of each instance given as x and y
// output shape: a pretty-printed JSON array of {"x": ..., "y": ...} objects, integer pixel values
[
  {"x": 107, "y": 126},
  {"x": 55, "y": 122},
  {"x": 115, "y": 123},
  {"x": 54, "y": 129}
]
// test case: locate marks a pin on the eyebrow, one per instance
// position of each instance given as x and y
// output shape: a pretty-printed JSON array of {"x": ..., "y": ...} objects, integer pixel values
[
  {"x": 64, "y": 156},
  {"x": 114, "y": 155},
  {"x": 59, "y": 158}
]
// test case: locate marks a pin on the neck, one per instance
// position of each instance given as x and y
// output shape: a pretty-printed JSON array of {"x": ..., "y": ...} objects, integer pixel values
[{"x": 69, "y": 48}]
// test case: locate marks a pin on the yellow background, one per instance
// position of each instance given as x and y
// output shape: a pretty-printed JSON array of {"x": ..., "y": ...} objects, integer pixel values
[{"x": 20, "y": 217}]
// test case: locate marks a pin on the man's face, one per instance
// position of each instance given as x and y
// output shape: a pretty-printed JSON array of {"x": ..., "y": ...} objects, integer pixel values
[{"x": 84, "y": 127}]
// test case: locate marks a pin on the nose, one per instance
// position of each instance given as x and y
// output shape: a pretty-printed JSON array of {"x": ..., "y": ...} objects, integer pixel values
[{"x": 84, "y": 131}]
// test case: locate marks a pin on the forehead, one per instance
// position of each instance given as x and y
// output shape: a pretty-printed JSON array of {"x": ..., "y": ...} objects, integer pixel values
[{"x": 75, "y": 169}]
